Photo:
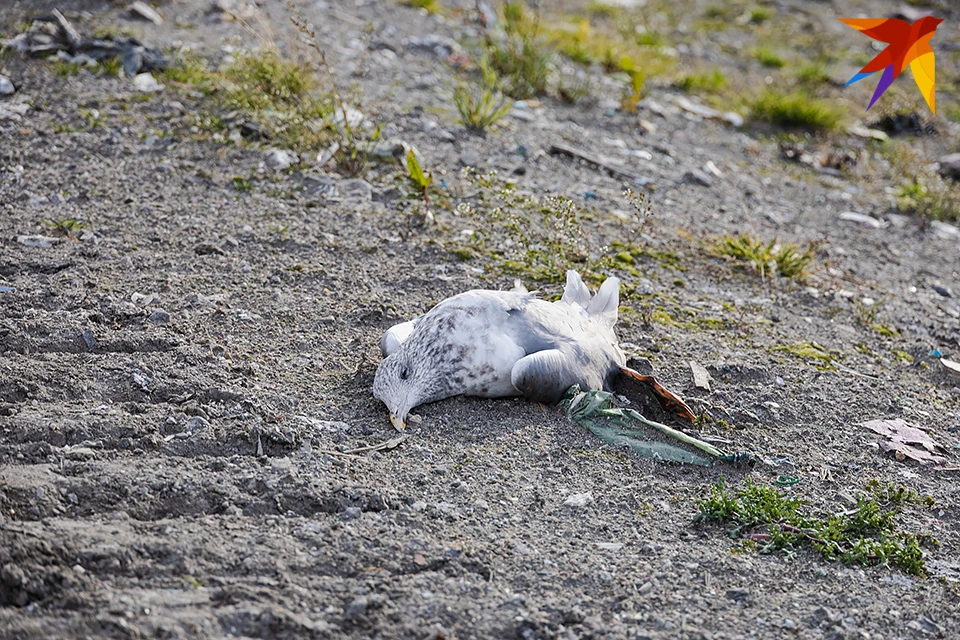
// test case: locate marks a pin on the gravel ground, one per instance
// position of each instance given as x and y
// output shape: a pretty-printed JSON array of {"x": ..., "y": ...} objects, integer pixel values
[{"x": 179, "y": 381}]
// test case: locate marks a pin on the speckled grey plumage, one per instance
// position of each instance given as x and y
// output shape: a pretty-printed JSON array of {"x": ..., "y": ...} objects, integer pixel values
[{"x": 502, "y": 343}]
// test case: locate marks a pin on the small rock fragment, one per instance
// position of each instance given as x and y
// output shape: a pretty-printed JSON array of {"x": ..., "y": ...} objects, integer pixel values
[
  {"x": 469, "y": 158},
  {"x": 697, "y": 177},
  {"x": 146, "y": 83},
  {"x": 737, "y": 595},
  {"x": 579, "y": 499},
  {"x": 701, "y": 377},
  {"x": 38, "y": 242},
  {"x": 864, "y": 219},
  {"x": 140, "y": 10},
  {"x": 280, "y": 159},
  {"x": 206, "y": 249},
  {"x": 356, "y": 608},
  {"x": 159, "y": 317},
  {"x": 950, "y": 166},
  {"x": 946, "y": 292},
  {"x": 197, "y": 423},
  {"x": 6, "y": 86},
  {"x": 356, "y": 190},
  {"x": 865, "y": 132}
]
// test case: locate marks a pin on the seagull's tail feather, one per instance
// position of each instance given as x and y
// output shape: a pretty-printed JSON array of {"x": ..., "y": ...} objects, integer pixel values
[
  {"x": 575, "y": 292},
  {"x": 605, "y": 304}
]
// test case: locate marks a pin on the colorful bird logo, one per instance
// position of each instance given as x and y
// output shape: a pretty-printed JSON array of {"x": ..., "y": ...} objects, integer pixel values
[{"x": 908, "y": 44}]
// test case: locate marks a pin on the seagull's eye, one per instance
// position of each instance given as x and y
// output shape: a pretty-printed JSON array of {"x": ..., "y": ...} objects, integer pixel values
[{"x": 404, "y": 373}]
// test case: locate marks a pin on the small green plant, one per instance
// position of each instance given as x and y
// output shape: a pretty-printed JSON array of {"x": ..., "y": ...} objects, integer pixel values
[
  {"x": 650, "y": 38},
  {"x": 421, "y": 182},
  {"x": 67, "y": 227},
  {"x": 92, "y": 116},
  {"x": 601, "y": 9},
  {"x": 867, "y": 317},
  {"x": 716, "y": 13},
  {"x": 704, "y": 82},
  {"x": 112, "y": 66},
  {"x": 64, "y": 69},
  {"x": 631, "y": 100},
  {"x": 480, "y": 106},
  {"x": 799, "y": 110},
  {"x": 353, "y": 146},
  {"x": 430, "y": 6},
  {"x": 812, "y": 74},
  {"x": 928, "y": 197},
  {"x": 787, "y": 261},
  {"x": 768, "y": 520},
  {"x": 759, "y": 15},
  {"x": 241, "y": 184},
  {"x": 521, "y": 60},
  {"x": 768, "y": 58}
]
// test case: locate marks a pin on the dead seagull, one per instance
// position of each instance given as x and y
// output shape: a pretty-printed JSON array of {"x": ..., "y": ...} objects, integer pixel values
[{"x": 496, "y": 344}]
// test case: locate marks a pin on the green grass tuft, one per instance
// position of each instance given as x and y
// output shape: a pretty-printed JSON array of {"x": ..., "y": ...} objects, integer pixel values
[
  {"x": 522, "y": 60},
  {"x": 703, "y": 82},
  {"x": 767, "y": 519},
  {"x": 787, "y": 261},
  {"x": 768, "y": 58},
  {"x": 795, "y": 110},
  {"x": 480, "y": 106}
]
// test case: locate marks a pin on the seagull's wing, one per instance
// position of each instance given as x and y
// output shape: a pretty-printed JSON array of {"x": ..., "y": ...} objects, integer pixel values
[
  {"x": 394, "y": 337},
  {"x": 545, "y": 375}
]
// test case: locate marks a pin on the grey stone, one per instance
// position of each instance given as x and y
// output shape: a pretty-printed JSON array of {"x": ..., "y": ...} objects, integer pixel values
[
  {"x": 946, "y": 292},
  {"x": 6, "y": 86},
  {"x": 469, "y": 158},
  {"x": 280, "y": 159},
  {"x": 737, "y": 595},
  {"x": 159, "y": 317},
  {"x": 142, "y": 11},
  {"x": 950, "y": 166},
  {"x": 697, "y": 177},
  {"x": 579, "y": 500},
  {"x": 351, "y": 513},
  {"x": 38, "y": 242},
  {"x": 146, "y": 83},
  {"x": 197, "y": 423},
  {"x": 356, "y": 608},
  {"x": 356, "y": 190}
]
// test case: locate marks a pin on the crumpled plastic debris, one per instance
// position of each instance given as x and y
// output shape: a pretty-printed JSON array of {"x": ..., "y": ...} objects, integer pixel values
[
  {"x": 52, "y": 34},
  {"x": 594, "y": 411}
]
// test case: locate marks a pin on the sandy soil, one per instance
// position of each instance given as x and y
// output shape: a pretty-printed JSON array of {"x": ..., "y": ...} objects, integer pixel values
[{"x": 177, "y": 384}]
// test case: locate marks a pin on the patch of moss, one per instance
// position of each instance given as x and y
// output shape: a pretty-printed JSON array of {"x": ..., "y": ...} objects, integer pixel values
[
  {"x": 812, "y": 352},
  {"x": 901, "y": 356}
]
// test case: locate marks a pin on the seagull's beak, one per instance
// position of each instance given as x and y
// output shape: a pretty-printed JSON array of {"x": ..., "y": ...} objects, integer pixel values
[{"x": 397, "y": 423}]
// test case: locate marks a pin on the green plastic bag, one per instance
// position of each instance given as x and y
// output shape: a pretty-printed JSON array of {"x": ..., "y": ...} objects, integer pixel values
[{"x": 594, "y": 411}]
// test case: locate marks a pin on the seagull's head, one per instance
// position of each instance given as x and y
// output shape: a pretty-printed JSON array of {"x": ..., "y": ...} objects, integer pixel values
[{"x": 398, "y": 385}]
